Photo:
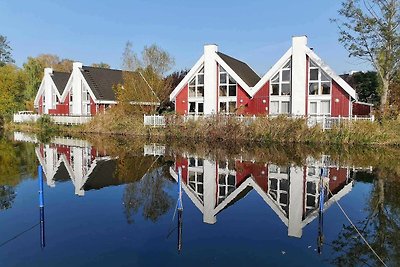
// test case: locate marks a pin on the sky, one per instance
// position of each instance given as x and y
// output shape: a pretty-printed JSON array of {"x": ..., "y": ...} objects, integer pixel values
[{"x": 256, "y": 32}]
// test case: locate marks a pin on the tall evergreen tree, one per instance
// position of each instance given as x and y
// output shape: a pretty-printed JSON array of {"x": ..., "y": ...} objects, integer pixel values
[{"x": 5, "y": 51}]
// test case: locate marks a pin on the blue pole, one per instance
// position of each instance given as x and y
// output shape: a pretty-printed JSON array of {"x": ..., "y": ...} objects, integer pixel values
[
  {"x": 180, "y": 205},
  {"x": 41, "y": 207},
  {"x": 321, "y": 213}
]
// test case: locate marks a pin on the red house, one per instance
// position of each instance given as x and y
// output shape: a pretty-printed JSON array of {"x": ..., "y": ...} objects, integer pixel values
[
  {"x": 292, "y": 192},
  {"x": 84, "y": 92},
  {"x": 299, "y": 83}
]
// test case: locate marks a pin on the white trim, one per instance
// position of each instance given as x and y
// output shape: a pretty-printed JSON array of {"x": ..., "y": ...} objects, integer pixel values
[
  {"x": 65, "y": 92},
  {"x": 41, "y": 88},
  {"x": 232, "y": 73},
  {"x": 185, "y": 80},
  {"x": 39, "y": 93},
  {"x": 363, "y": 103},
  {"x": 105, "y": 102},
  {"x": 348, "y": 89},
  {"x": 275, "y": 68}
]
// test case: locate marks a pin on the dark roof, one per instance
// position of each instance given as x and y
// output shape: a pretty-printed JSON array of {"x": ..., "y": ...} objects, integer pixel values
[
  {"x": 62, "y": 174},
  {"x": 102, "y": 81},
  {"x": 242, "y": 69},
  {"x": 102, "y": 175},
  {"x": 60, "y": 79}
]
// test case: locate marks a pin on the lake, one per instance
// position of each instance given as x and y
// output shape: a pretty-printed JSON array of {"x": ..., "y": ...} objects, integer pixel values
[{"x": 113, "y": 202}]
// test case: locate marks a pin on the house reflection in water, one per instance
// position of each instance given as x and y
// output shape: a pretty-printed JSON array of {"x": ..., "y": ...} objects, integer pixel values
[
  {"x": 291, "y": 191},
  {"x": 76, "y": 160}
]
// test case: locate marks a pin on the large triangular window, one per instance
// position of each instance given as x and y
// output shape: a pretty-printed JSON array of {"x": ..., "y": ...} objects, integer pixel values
[
  {"x": 227, "y": 92},
  {"x": 319, "y": 82},
  {"x": 196, "y": 93},
  {"x": 281, "y": 82}
]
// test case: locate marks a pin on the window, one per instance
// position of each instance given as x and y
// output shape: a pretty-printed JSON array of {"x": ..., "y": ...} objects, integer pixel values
[
  {"x": 274, "y": 109},
  {"x": 196, "y": 93},
  {"x": 325, "y": 107},
  {"x": 54, "y": 99},
  {"x": 227, "y": 92},
  {"x": 196, "y": 183},
  {"x": 322, "y": 107},
  {"x": 85, "y": 99},
  {"x": 285, "y": 107},
  {"x": 226, "y": 185},
  {"x": 196, "y": 85},
  {"x": 319, "y": 82},
  {"x": 281, "y": 83},
  {"x": 313, "y": 107}
]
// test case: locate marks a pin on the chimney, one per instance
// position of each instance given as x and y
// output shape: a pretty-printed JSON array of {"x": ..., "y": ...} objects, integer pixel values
[
  {"x": 77, "y": 65},
  {"x": 210, "y": 79},
  {"x": 48, "y": 71},
  {"x": 299, "y": 69}
]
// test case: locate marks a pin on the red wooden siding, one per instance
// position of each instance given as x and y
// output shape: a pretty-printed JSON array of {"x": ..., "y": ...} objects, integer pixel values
[
  {"x": 93, "y": 109},
  {"x": 183, "y": 163},
  {"x": 258, "y": 105},
  {"x": 337, "y": 179},
  {"x": 360, "y": 109},
  {"x": 259, "y": 171},
  {"x": 340, "y": 101},
  {"x": 181, "y": 103}
]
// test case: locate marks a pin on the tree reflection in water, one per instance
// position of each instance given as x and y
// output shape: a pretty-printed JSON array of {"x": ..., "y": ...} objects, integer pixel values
[
  {"x": 148, "y": 194},
  {"x": 7, "y": 196},
  {"x": 381, "y": 226}
]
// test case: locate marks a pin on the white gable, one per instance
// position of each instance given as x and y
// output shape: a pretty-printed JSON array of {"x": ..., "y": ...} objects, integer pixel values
[
  {"x": 185, "y": 80},
  {"x": 331, "y": 73}
]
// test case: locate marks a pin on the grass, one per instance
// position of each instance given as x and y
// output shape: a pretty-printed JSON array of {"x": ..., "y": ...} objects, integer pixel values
[
  {"x": 283, "y": 130},
  {"x": 229, "y": 131}
]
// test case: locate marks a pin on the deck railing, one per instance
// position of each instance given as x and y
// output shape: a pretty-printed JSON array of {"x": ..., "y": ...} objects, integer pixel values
[
  {"x": 325, "y": 121},
  {"x": 57, "y": 119}
]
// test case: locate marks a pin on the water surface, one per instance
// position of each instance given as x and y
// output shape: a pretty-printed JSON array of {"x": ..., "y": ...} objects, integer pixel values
[{"x": 115, "y": 205}]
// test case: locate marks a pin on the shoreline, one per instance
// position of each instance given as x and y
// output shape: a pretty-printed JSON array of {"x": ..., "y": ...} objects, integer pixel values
[{"x": 228, "y": 132}]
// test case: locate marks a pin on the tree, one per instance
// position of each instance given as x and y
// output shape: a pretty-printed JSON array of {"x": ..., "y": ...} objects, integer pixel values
[
  {"x": 48, "y": 60},
  {"x": 366, "y": 85},
  {"x": 172, "y": 80},
  {"x": 65, "y": 65},
  {"x": 33, "y": 69},
  {"x": 369, "y": 31},
  {"x": 54, "y": 61},
  {"x": 144, "y": 77},
  {"x": 101, "y": 65},
  {"x": 12, "y": 85},
  {"x": 5, "y": 51}
]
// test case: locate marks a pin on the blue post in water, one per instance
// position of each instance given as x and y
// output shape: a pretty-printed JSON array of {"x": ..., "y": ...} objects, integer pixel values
[
  {"x": 180, "y": 210},
  {"x": 41, "y": 207},
  {"x": 180, "y": 205},
  {"x": 321, "y": 212}
]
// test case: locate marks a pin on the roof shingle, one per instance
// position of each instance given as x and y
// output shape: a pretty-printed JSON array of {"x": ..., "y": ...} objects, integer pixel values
[
  {"x": 102, "y": 81},
  {"x": 242, "y": 69},
  {"x": 60, "y": 79}
]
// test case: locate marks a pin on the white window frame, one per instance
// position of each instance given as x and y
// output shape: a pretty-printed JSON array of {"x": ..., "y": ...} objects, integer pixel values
[
  {"x": 313, "y": 66},
  {"x": 224, "y": 174},
  {"x": 275, "y": 173},
  {"x": 197, "y": 99},
  {"x": 197, "y": 170},
  {"x": 319, "y": 105},
  {"x": 85, "y": 99},
  {"x": 228, "y": 99},
  {"x": 286, "y": 67}
]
